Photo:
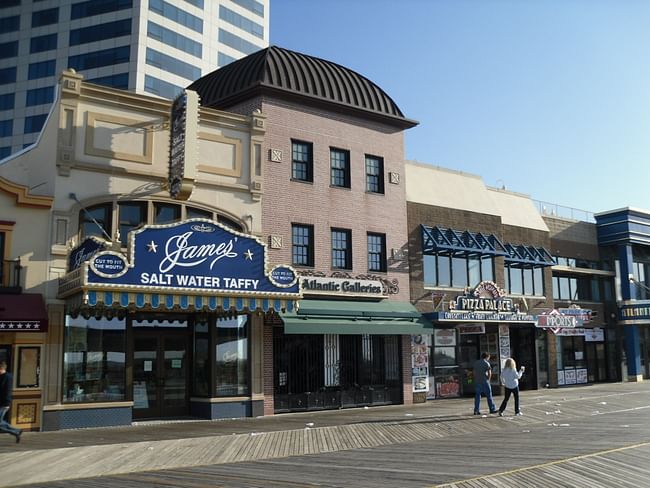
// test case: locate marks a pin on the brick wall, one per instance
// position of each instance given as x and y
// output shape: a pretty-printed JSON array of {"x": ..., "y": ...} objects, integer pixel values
[{"x": 286, "y": 202}]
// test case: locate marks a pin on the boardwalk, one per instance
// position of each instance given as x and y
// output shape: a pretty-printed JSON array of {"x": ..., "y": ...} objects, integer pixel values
[{"x": 602, "y": 428}]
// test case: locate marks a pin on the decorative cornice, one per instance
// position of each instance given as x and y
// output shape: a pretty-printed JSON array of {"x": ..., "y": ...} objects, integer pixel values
[{"x": 23, "y": 198}]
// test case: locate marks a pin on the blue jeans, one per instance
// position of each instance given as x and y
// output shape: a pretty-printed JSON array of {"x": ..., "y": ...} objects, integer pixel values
[
  {"x": 486, "y": 389},
  {"x": 4, "y": 425}
]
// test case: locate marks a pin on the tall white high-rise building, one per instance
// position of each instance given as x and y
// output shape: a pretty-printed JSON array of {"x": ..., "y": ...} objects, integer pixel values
[{"x": 148, "y": 46}]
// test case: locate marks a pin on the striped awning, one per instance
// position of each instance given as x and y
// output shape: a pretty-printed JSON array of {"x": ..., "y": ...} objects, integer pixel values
[{"x": 163, "y": 301}]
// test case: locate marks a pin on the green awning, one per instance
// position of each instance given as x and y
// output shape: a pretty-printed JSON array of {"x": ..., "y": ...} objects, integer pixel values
[{"x": 349, "y": 317}]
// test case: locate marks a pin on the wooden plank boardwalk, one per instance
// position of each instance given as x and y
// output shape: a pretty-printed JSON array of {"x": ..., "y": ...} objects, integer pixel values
[{"x": 364, "y": 448}]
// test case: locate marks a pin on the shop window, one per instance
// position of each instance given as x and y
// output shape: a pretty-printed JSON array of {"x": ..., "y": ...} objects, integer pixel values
[
  {"x": 374, "y": 174},
  {"x": 524, "y": 281},
  {"x": 166, "y": 213},
  {"x": 229, "y": 223},
  {"x": 197, "y": 213},
  {"x": 302, "y": 245},
  {"x": 232, "y": 357},
  {"x": 340, "y": 168},
  {"x": 96, "y": 221},
  {"x": 376, "y": 252},
  {"x": 341, "y": 249},
  {"x": 94, "y": 359},
  {"x": 201, "y": 378},
  {"x": 442, "y": 270},
  {"x": 131, "y": 216},
  {"x": 641, "y": 273},
  {"x": 302, "y": 162},
  {"x": 29, "y": 367}
]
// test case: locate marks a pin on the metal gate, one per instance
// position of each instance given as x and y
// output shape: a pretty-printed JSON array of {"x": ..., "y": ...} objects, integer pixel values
[{"x": 314, "y": 372}]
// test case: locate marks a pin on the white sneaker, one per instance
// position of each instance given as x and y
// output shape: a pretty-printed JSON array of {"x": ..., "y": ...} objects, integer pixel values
[{"x": 519, "y": 414}]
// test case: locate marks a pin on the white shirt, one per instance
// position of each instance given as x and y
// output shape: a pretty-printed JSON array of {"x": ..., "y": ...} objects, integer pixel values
[{"x": 510, "y": 378}]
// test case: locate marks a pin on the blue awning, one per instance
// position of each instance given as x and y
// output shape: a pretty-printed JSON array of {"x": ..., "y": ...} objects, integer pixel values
[
  {"x": 528, "y": 256},
  {"x": 177, "y": 302},
  {"x": 436, "y": 240}
]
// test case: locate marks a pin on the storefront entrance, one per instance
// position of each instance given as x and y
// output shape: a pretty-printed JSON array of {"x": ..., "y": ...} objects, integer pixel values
[
  {"x": 160, "y": 369},
  {"x": 522, "y": 349},
  {"x": 644, "y": 343}
]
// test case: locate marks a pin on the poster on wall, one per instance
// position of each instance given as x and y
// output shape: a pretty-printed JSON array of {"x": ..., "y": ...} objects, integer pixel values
[
  {"x": 570, "y": 376},
  {"x": 420, "y": 361},
  {"x": 560, "y": 377},
  {"x": 581, "y": 376},
  {"x": 448, "y": 387},
  {"x": 444, "y": 337},
  {"x": 420, "y": 383},
  {"x": 597, "y": 334},
  {"x": 504, "y": 344}
]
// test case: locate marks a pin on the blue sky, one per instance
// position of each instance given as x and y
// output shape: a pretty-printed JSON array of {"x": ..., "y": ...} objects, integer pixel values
[{"x": 550, "y": 98}]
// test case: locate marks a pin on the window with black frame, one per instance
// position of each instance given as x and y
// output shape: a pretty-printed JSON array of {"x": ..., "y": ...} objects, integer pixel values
[
  {"x": 341, "y": 249},
  {"x": 302, "y": 163},
  {"x": 232, "y": 368},
  {"x": 94, "y": 359},
  {"x": 339, "y": 168},
  {"x": 96, "y": 221},
  {"x": 376, "y": 252},
  {"x": 374, "y": 174},
  {"x": 302, "y": 245},
  {"x": 130, "y": 216}
]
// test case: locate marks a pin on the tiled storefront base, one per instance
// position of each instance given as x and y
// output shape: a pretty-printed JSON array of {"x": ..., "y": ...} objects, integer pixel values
[{"x": 86, "y": 417}]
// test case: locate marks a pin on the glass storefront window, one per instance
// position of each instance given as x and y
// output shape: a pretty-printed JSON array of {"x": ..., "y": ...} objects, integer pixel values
[
  {"x": 232, "y": 356},
  {"x": 29, "y": 366},
  {"x": 201, "y": 379},
  {"x": 94, "y": 359}
]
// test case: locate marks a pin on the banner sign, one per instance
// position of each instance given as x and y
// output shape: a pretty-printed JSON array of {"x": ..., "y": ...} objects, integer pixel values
[
  {"x": 637, "y": 312},
  {"x": 182, "y": 145},
  {"x": 194, "y": 255},
  {"x": 84, "y": 251}
]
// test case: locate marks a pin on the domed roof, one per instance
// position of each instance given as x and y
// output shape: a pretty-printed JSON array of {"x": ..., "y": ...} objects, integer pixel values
[{"x": 289, "y": 74}]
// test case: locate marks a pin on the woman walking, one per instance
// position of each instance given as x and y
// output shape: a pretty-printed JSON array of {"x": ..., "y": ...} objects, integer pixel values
[{"x": 510, "y": 379}]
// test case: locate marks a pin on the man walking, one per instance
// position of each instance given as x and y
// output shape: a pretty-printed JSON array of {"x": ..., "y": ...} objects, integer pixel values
[
  {"x": 6, "y": 386},
  {"x": 482, "y": 375}
]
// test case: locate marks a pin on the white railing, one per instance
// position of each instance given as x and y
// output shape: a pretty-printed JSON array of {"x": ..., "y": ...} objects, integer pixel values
[{"x": 555, "y": 210}]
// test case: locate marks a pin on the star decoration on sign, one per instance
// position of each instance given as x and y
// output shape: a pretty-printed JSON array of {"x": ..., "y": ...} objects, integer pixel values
[
  {"x": 248, "y": 254},
  {"x": 152, "y": 247}
]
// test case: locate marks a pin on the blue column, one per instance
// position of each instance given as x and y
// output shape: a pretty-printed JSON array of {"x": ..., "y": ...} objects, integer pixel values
[
  {"x": 632, "y": 350},
  {"x": 632, "y": 346}
]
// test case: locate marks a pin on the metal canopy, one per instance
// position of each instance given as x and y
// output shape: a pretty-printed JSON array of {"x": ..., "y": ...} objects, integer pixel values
[
  {"x": 528, "y": 256},
  {"x": 436, "y": 240}
]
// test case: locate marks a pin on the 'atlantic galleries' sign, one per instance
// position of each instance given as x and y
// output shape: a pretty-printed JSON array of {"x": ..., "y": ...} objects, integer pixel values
[
  {"x": 195, "y": 255},
  {"x": 321, "y": 285},
  {"x": 485, "y": 303}
]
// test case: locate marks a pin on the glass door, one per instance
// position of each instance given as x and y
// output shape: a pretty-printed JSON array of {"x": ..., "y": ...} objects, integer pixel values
[{"x": 160, "y": 373}]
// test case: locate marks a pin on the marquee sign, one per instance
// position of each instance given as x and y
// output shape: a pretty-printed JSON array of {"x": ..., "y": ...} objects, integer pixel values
[
  {"x": 485, "y": 303},
  {"x": 196, "y": 255}
]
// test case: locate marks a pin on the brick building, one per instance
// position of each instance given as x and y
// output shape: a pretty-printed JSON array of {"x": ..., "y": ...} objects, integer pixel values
[{"x": 331, "y": 175}]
